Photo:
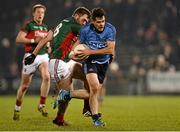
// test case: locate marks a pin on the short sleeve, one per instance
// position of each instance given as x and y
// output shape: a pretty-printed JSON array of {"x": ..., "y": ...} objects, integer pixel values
[
  {"x": 82, "y": 36},
  {"x": 25, "y": 27},
  {"x": 111, "y": 34}
]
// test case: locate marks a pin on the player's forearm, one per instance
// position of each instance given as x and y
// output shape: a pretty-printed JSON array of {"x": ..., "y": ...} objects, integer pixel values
[
  {"x": 43, "y": 42},
  {"x": 40, "y": 45},
  {"x": 107, "y": 50},
  {"x": 21, "y": 38},
  {"x": 24, "y": 40}
]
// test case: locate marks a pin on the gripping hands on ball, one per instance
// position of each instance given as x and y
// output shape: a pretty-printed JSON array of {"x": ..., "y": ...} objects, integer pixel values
[
  {"x": 29, "y": 59},
  {"x": 80, "y": 53}
]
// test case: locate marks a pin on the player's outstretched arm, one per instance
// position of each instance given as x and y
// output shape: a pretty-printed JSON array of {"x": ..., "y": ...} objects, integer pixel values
[{"x": 43, "y": 42}]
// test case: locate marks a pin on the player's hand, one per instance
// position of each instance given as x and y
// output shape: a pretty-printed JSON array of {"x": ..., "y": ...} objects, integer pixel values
[
  {"x": 72, "y": 56},
  {"x": 29, "y": 59},
  {"x": 86, "y": 52}
]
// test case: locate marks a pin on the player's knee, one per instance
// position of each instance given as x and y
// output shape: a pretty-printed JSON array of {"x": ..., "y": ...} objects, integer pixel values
[
  {"x": 94, "y": 87},
  {"x": 46, "y": 77},
  {"x": 94, "y": 90}
]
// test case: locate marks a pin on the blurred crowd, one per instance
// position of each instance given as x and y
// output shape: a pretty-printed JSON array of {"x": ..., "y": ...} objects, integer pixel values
[{"x": 148, "y": 34}]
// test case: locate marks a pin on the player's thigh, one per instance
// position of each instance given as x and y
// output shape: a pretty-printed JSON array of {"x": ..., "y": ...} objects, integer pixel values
[
  {"x": 93, "y": 81},
  {"x": 43, "y": 68},
  {"x": 26, "y": 80},
  {"x": 59, "y": 70},
  {"x": 30, "y": 69},
  {"x": 78, "y": 73}
]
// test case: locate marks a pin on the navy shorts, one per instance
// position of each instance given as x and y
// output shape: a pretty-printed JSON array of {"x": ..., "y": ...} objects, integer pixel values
[{"x": 100, "y": 69}]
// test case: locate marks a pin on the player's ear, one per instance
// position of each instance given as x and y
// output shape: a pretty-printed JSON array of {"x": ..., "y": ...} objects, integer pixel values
[
  {"x": 76, "y": 16},
  {"x": 33, "y": 14},
  {"x": 92, "y": 21}
]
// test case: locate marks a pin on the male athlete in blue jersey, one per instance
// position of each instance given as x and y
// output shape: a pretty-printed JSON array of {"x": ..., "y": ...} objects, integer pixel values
[{"x": 99, "y": 36}]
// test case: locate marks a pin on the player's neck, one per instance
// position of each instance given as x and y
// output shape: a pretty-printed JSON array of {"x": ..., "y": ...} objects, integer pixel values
[
  {"x": 93, "y": 28},
  {"x": 38, "y": 22}
]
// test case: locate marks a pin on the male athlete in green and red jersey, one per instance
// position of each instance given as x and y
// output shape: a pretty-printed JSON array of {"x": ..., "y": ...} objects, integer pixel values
[
  {"x": 35, "y": 32},
  {"x": 61, "y": 68},
  {"x": 29, "y": 35}
]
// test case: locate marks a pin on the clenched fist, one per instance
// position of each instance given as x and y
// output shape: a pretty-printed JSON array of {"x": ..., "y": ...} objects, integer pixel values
[{"x": 29, "y": 59}]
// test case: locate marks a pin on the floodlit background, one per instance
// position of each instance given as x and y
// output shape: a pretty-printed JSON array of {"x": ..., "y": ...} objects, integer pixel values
[
  {"x": 147, "y": 47},
  {"x": 147, "y": 63}
]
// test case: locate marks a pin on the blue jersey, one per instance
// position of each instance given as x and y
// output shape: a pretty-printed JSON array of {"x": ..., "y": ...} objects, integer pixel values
[{"x": 95, "y": 40}]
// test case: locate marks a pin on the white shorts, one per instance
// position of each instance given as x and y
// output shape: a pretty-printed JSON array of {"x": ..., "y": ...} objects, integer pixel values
[
  {"x": 29, "y": 69},
  {"x": 60, "y": 70}
]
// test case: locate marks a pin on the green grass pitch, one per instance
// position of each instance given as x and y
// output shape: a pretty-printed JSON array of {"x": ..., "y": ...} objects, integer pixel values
[{"x": 119, "y": 112}]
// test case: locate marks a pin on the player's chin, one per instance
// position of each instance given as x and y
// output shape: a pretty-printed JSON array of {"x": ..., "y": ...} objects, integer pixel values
[
  {"x": 40, "y": 19},
  {"x": 100, "y": 29}
]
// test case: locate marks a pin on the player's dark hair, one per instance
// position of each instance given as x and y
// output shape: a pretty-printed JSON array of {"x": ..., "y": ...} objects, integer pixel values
[
  {"x": 97, "y": 12},
  {"x": 82, "y": 11},
  {"x": 38, "y": 6}
]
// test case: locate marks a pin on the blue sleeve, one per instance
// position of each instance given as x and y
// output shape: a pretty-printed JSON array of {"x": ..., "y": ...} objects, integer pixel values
[
  {"x": 111, "y": 34},
  {"x": 82, "y": 36}
]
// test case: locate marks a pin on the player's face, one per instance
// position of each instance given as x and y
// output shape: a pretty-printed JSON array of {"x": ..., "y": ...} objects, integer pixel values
[
  {"x": 82, "y": 19},
  {"x": 99, "y": 23},
  {"x": 39, "y": 14}
]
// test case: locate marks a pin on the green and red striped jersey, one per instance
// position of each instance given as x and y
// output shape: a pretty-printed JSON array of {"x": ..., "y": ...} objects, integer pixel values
[
  {"x": 65, "y": 34},
  {"x": 34, "y": 30}
]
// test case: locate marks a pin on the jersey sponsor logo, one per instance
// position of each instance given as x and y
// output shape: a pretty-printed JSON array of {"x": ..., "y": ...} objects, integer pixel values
[
  {"x": 40, "y": 34},
  {"x": 97, "y": 45}
]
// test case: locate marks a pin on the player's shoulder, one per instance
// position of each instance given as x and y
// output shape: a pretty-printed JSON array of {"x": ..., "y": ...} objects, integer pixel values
[
  {"x": 86, "y": 27},
  {"x": 109, "y": 26},
  {"x": 27, "y": 22},
  {"x": 68, "y": 20},
  {"x": 30, "y": 23},
  {"x": 26, "y": 25}
]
